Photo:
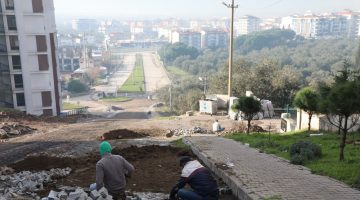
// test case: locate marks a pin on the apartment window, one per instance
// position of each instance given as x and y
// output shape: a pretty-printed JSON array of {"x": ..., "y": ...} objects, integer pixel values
[
  {"x": 9, "y": 4},
  {"x": 14, "y": 42},
  {"x": 47, "y": 112},
  {"x": 11, "y": 20},
  {"x": 16, "y": 61},
  {"x": 43, "y": 62},
  {"x": 18, "y": 79},
  {"x": 41, "y": 43},
  {"x": 46, "y": 99},
  {"x": 37, "y": 6},
  {"x": 20, "y": 99}
]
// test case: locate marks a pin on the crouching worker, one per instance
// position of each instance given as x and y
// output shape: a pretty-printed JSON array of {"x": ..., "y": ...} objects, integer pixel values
[
  {"x": 203, "y": 185},
  {"x": 111, "y": 171}
]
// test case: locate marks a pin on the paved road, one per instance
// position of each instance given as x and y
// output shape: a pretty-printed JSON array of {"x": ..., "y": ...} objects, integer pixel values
[
  {"x": 119, "y": 78},
  {"x": 261, "y": 176},
  {"x": 115, "y": 81},
  {"x": 155, "y": 74}
]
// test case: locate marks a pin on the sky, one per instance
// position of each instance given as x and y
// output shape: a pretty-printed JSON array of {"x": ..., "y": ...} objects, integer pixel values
[{"x": 133, "y": 9}]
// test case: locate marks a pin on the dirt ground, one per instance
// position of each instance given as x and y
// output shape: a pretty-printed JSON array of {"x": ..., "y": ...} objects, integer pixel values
[
  {"x": 123, "y": 134},
  {"x": 156, "y": 167}
]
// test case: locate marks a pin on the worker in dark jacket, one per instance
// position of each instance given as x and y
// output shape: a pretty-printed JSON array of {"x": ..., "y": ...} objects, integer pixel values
[
  {"x": 111, "y": 171},
  {"x": 202, "y": 183}
]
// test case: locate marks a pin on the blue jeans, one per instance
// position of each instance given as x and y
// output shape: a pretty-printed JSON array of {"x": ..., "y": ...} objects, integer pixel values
[{"x": 185, "y": 194}]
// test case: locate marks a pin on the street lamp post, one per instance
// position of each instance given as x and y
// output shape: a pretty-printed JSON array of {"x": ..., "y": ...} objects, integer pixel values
[{"x": 232, "y": 6}]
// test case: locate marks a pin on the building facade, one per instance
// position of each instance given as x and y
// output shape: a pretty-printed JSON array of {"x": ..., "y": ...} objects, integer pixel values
[
  {"x": 336, "y": 25},
  {"x": 247, "y": 24},
  {"x": 214, "y": 39},
  {"x": 85, "y": 25},
  {"x": 28, "y": 60},
  {"x": 189, "y": 38}
]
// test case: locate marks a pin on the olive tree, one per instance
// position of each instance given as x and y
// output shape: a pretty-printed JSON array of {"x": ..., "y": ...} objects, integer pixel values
[
  {"x": 307, "y": 100},
  {"x": 249, "y": 108},
  {"x": 341, "y": 103}
]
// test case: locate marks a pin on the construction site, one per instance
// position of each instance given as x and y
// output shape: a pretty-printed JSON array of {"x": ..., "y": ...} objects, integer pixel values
[{"x": 44, "y": 157}]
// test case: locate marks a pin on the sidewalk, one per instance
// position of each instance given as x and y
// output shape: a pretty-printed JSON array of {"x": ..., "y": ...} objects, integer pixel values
[{"x": 261, "y": 176}]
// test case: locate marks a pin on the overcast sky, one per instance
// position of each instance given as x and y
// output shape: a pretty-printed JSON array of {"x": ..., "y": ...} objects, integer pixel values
[{"x": 194, "y": 8}]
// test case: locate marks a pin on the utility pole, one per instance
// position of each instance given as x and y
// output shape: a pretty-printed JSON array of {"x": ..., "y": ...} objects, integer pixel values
[
  {"x": 170, "y": 98},
  {"x": 232, "y": 6}
]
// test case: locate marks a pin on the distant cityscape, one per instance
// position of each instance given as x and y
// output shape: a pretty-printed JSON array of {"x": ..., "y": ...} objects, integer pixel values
[
  {"x": 200, "y": 34},
  {"x": 83, "y": 44}
]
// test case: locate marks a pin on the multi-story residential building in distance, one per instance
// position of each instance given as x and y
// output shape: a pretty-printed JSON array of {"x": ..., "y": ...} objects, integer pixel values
[
  {"x": 85, "y": 25},
  {"x": 352, "y": 22},
  {"x": 334, "y": 25},
  {"x": 28, "y": 60},
  {"x": 187, "y": 37},
  {"x": 69, "y": 58},
  {"x": 247, "y": 24},
  {"x": 214, "y": 38}
]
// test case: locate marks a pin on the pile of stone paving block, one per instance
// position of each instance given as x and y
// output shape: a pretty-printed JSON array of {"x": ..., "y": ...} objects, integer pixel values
[
  {"x": 26, "y": 183},
  {"x": 79, "y": 194},
  {"x": 186, "y": 132},
  {"x": 68, "y": 193},
  {"x": 10, "y": 130}
]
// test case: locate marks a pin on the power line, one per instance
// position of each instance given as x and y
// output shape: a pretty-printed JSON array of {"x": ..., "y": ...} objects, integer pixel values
[{"x": 267, "y": 6}]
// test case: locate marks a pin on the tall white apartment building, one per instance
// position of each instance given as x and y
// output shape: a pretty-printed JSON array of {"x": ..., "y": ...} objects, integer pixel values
[
  {"x": 247, "y": 24},
  {"x": 28, "y": 60},
  {"x": 189, "y": 38},
  {"x": 352, "y": 19},
  {"x": 338, "y": 25},
  {"x": 85, "y": 25},
  {"x": 214, "y": 39}
]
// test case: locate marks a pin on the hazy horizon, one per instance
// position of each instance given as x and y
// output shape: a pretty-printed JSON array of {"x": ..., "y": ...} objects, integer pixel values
[{"x": 145, "y": 9}]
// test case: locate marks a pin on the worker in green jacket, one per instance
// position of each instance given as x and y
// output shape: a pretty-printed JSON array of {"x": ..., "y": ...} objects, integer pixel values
[{"x": 111, "y": 171}]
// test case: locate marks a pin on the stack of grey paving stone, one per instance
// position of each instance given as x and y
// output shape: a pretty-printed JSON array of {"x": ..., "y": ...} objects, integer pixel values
[
  {"x": 79, "y": 194},
  {"x": 27, "y": 183},
  {"x": 186, "y": 132},
  {"x": 68, "y": 193}
]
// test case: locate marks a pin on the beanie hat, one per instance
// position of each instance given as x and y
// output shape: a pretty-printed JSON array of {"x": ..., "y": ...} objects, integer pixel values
[
  {"x": 184, "y": 160},
  {"x": 105, "y": 147}
]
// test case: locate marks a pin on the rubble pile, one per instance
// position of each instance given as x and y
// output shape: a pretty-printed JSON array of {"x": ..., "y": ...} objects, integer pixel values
[
  {"x": 69, "y": 193},
  {"x": 186, "y": 132},
  {"x": 78, "y": 194},
  {"x": 10, "y": 130},
  {"x": 26, "y": 183}
]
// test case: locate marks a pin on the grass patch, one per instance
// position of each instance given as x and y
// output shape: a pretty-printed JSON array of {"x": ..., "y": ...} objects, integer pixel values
[
  {"x": 9, "y": 110},
  {"x": 177, "y": 72},
  {"x": 180, "y": 144},
  {"x": 116, "y": 99},
  {"x": 136, "y": 81},
  {"x": 71, "y": 106},
  {"x": 328, "y": 165}
]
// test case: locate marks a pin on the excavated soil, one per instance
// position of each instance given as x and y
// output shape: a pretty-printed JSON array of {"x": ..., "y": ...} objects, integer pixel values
[
  {"x": 123, "y": 134},
  {"x": 156, "y": 167}
]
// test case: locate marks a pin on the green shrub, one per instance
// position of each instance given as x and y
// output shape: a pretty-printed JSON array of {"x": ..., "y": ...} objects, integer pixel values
[
  {"x": 298, "y": 159},
  {"x": 76, "y": 86},
  {"x": 304, "y": 151}
]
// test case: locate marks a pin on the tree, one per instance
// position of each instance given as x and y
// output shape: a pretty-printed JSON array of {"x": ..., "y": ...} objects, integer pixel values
[
  {"x": 357, "y": 58},
  {"x": 92, "y": 74},
  {"x": 249, "y": 108},
  {"x": 341, "y": 103},
  {"x": 76, "y": 86},
  {"x": 307, "y": 100}
]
